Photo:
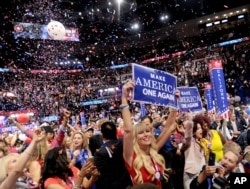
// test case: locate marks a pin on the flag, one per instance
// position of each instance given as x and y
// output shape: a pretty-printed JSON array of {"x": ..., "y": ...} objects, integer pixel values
[
  {"x": 83, "y": 119},
  {"x": 209, "y": 99},
  {"x": 219, "y": 88},
  {"x": 143, "y": 110}
]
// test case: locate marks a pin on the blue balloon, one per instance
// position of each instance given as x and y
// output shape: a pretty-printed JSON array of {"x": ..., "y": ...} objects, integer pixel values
[{"x": 248, "y": 111}]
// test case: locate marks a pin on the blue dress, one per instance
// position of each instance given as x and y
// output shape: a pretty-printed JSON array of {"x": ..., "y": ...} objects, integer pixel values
[{"x": 81, "y": 158}]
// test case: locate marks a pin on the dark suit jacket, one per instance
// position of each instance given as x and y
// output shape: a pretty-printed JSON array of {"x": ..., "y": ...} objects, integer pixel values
[
  {"x": 238, "y": 124},
  {"x": 206, "y": 184},
  {"x": 95, "y": 142},
  {"x": 109, "y": 161},
  {"x": 243, "y": 122}
]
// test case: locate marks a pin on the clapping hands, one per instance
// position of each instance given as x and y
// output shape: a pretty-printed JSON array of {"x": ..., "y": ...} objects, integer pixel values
[{"x": 89, "y": 169}]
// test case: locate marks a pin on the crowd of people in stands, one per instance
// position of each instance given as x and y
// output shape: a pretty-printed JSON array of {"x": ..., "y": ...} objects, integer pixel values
[
  {"x": 166, "y": 149},
  {"x": 57, "y": 89},
  {"x": 117, "y": 147}
]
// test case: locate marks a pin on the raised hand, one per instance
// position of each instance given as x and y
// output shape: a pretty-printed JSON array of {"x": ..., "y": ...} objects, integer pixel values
[
  {"x": 88, "y": 169},
  {"x": 38, "y": 134},
  {"x": 11, "y": 119},
  {"x": 127, "y": 89},
  {"x": 76, "y": 153},
  {"x": 67, "y": 114},
  {"x": 178, "y": 95}
]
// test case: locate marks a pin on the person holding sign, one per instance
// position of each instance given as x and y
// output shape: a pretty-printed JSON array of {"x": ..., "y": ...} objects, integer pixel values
[{"x": 140, "y": 148}]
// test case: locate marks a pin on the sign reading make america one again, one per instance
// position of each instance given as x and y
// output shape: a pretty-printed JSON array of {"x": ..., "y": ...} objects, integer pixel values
[
  {"x": 190, "y": 100},
  {"x": 154, "y": 86}
]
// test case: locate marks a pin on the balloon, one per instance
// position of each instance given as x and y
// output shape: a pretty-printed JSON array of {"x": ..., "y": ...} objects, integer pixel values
[
  {"x": 237, "y": 99},
  {"x": 56, "y": 30},
  {"x": 23, "y": 118},
  {"x": 231, "y": 100},
  {"x": 248, "y": 111}
]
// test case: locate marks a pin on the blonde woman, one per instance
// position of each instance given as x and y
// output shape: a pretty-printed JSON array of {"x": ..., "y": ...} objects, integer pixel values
[
  {"x": 79, "y": 152},
  {"x": 140, "y": 148},
  {"x": 12, "y": 165},
  {"x": 36, "y": 161}
]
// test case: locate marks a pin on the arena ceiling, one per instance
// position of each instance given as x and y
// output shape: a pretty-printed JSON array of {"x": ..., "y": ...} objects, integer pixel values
[{"x": 107, "y": 23}]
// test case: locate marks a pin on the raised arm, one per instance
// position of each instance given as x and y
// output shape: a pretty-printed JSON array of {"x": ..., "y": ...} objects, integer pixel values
[
  {"x": 11, "y": 179},
  {"x": 188, "y": 135},
  {"x": 128, "y": 125},
  {"x": 61, "y": 131},
  {"x": 27, "y": 132},
  {"x": 169, "y": 125}
]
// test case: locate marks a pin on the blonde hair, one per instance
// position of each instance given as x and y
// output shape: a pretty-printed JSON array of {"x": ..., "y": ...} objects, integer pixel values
[
  {"x": 141, "y": 159},
  {"x": 100, "y": 122},
  {"x": 39, "y": 152},
  {"x": 4, "y": 162},
  {"x": 84, "y": 139},
  {"x": 231, "y": 146},
  {"x": 65, "y": 142}
]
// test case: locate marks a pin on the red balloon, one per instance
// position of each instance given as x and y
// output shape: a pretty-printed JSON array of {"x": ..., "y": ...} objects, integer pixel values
[{"x": 23, "y": 118}]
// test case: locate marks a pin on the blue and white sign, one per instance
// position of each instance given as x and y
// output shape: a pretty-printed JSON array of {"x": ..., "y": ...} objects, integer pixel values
[
  {"x": 154, "y": 86},
  {"x": 190, "y": 100},
  {"x": 209, "y": 98},
  {"x": 94, "y": 102},
  {"x": 219, "y": 88}
]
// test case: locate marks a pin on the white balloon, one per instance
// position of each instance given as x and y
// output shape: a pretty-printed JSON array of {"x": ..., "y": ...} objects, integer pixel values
[
  {"x": 237, "y": 99},
  {"x": 56, "y": 30}
]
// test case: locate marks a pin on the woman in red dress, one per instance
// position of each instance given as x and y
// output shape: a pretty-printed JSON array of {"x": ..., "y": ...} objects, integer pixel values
[{"x": 140, "y": 148}]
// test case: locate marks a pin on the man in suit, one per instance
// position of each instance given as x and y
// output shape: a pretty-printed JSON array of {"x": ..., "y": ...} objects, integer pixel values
[
  {"x": 209, "y": 176},
  {"x": 233, "y": 110},
  {"x": 234, "y": 126},
  {"x": 109, "y": 160},
  {"x": 244, "y": 120},
  {"x": 95, "y": 141}
]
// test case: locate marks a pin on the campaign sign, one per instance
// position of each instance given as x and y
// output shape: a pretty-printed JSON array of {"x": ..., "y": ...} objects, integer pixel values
[
  {"x": 219, "y": 87},
  {"x": 154, "y": 86},
  {"x": 190, "y": 100},
  {"x": 209, "y": 98}
]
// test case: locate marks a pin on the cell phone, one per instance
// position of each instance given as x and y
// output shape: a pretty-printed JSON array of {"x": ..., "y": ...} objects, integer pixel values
[{"x": 211, "y": 160}]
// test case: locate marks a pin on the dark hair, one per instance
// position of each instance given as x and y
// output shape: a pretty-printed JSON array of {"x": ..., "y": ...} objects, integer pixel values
[
  {"x": 108, "y": 130},
  {"x": 179, "y": 121},
  {"x": 195, "y": 126},
  {"x": 202, "y": 120},
  {"x": 55, "y": 165},
  {"x": 147, "y": 117}
]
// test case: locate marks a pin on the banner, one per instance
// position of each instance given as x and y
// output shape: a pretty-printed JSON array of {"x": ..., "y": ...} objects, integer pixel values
[
  {"x": 12, "y": 129},
  {"x": 190, "y": 100},
  {"x": 83, "y": 118},
  {"x": 154, "y": 86},
  {"x": 143, "y": 110},
  {"x": 94, "y": 102},
  {"x": 209, "y": 99},
  {"x": 50, "y": 118},
  {"x": 219, "y": 88},
  {"x": 39, "y": 31}
]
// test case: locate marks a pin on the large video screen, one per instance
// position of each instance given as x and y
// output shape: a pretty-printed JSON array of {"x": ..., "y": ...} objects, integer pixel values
[{"x": 38, "y": 31}]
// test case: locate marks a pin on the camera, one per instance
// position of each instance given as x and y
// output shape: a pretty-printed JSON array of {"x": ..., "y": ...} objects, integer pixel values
[{"x": 220, "y": 183}]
